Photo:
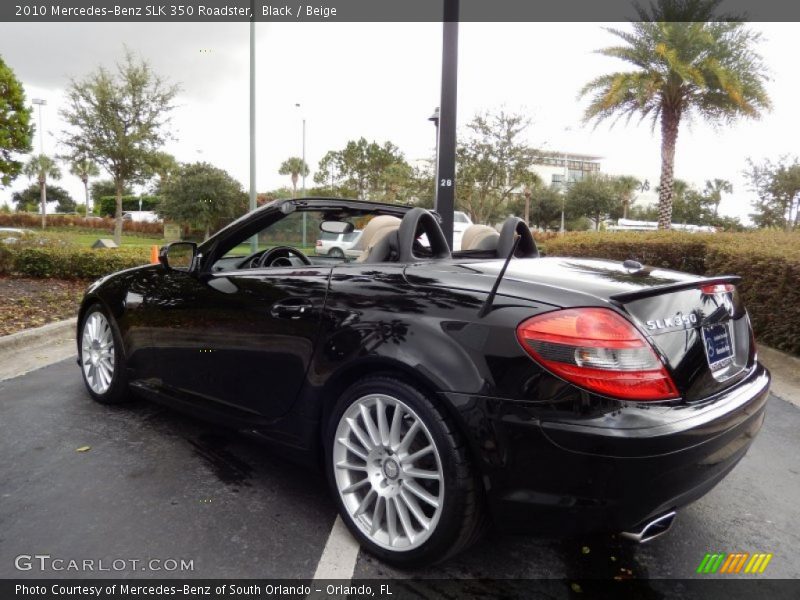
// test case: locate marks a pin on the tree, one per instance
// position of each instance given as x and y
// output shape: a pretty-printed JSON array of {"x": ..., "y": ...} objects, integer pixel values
[
  {"x": 106, "y": 187},
  {"x": 41, "y": 167},
  {"x": 714, "y": 190},
  {"x": 594, "y": 197},
  {"x": 16, "y": 129},
  {"x": 161, "y": 165},
  {"x": 544, "y": 205},
  {"x": 626, "y": 187},
  {"x": 296, "y": 168},
  {"x": 777, "y": 187},
  {"x": 201, "y": 195},
  {"x": 30, "y": 198},
  {"x": 359, "y": 169},
  {"x": 119, "y": 120},
  {"x": 83, "y": 169},
  {"x": 686, "y": 65},
  {"x": 493, "y": 163}
]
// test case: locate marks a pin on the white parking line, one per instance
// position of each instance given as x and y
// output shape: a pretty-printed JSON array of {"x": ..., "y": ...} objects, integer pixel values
[{"x": 338, "y": 560}]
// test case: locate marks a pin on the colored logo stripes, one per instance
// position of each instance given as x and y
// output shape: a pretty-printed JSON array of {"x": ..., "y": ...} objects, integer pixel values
[{"x": 738, "y": 562}]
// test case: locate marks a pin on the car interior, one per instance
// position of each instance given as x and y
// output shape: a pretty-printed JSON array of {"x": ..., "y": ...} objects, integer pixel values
[{"x": 417, "y": 236}]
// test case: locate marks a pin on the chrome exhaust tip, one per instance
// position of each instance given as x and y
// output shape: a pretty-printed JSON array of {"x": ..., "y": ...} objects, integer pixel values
[{"x": 651, "y": 529}]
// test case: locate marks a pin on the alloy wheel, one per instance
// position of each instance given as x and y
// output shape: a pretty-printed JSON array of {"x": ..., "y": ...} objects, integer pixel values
[
  {"x": 97, "y": 352},
  {"x": 388, "y": 472}
]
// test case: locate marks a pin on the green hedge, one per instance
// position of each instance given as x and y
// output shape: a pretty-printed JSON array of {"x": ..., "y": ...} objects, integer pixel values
[
  {"x": 767, "y": 261},
  {"x": 67, "y": 261},
  {"x": 107, "y": 205}
]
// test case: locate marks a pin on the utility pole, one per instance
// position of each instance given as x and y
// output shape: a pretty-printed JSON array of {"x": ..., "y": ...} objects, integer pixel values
[
  {"x": 254, "y": 239},
  {"x": 42, "y": 176},
  {"x": 444, "y": 202}
]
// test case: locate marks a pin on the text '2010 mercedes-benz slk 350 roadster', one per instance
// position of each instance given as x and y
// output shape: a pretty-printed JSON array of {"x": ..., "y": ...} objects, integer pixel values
[{"x": 440, "y": 392}]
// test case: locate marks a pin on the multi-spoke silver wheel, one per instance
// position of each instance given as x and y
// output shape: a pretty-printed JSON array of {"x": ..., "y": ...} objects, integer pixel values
[
  {"x": 97, "y": 352},
  {"x": 388, "y": 472}
]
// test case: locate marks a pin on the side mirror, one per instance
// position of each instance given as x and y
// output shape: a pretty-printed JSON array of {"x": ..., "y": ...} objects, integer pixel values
[{"x": 179, "y": 256}]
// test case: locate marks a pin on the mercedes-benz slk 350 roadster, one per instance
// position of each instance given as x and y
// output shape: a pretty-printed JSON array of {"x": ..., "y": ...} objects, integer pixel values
[{"x": 440, "y": 392}]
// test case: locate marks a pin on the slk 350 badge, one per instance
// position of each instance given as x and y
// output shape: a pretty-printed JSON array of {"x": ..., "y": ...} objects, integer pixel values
[{"x": 678, "y": 320}]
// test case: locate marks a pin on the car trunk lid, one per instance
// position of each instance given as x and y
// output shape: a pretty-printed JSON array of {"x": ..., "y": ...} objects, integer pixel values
[{"x": 704, "y": 337}]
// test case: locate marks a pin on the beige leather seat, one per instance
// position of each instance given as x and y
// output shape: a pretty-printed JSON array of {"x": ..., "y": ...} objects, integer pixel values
[
  {"x": 480, "y": 237},
  {"x": 375, "y": 231}
]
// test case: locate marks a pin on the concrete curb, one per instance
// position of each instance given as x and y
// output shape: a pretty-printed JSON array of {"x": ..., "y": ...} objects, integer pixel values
[{"x": 30, "y": 338}]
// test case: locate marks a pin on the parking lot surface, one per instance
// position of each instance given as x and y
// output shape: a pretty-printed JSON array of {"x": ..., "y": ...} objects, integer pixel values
[{"x": 156, "y": 484}]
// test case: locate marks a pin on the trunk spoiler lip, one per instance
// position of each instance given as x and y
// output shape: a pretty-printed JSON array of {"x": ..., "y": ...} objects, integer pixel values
[{"x": 673, "y": 287}]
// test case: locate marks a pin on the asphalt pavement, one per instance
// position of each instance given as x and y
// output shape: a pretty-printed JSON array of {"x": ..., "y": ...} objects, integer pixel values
[{"x": 156, "y": 484}]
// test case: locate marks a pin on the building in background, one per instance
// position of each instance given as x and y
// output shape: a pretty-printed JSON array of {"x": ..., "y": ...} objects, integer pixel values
[{"x": 563, "y": 168}]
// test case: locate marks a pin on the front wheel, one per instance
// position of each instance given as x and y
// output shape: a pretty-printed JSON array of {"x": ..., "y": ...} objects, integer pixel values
[
  {"x": 101, "y": 358},
  {"x": 400, "y": 474}
]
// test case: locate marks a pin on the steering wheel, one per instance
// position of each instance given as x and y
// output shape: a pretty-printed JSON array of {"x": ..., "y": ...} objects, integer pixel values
[{"x": 269, "y": 257}]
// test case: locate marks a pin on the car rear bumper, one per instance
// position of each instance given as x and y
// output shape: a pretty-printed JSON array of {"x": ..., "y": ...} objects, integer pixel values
[{"x": 611, "y": 472}]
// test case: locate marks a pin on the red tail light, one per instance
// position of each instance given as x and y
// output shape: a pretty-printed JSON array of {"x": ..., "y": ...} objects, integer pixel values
[
  {"x": 717, "y": 288},
  {"x": 597, "y": 349},
  {"x": 319, "y": 242}
]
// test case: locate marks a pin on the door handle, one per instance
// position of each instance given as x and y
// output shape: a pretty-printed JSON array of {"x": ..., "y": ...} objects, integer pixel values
[{"x": 290, "y": 309}]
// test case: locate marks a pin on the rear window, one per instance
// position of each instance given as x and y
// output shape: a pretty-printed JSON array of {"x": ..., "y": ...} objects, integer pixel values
[
  {"x": 328, "y": 237},
  {"x": 351, "y": 237}
]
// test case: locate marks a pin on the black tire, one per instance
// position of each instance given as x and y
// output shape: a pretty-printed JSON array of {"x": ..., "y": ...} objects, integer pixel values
[
  {"x": 336, "y": 253},
  {"x": 118, "y": 390},
  {"x": 461, "y": 521}
]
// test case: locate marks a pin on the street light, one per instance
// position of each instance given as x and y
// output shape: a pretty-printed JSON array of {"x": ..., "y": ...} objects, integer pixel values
[
  {"x": 252, "y": 203},
  {"x": 40, "y": 103},
  {"x": 434, "y": 118},
  {"x": 566, "y": 184},
  {"x": 303, "y": 172},
  {"x": 42, "y": 184}
]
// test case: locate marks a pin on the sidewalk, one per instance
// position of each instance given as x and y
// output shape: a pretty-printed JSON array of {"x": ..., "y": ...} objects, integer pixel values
[{"x": 36, "y": 348}]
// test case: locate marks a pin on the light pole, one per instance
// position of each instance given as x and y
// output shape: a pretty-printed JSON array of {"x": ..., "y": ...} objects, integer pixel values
[
  {"x": 42, "y": 183},
  {"x": 254, "y": 239},
  {"x": 303, "y": 172},
  {"x": 564, "y": 194},
  {"x": 40, "y": 103},
  {"x": 566, "y": 184},
  {"x": 434, "y": 118}
]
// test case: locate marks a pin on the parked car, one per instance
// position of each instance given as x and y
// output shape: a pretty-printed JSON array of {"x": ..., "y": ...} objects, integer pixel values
[
  {"x": 440, "y": 391},
  {"x": 461, "y": 223},
  {"x": 11, "y": 235},
  {"x": 336, "y": 244}
]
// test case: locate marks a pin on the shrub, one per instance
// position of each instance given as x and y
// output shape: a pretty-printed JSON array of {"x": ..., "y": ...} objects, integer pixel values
[
  {"x": 64, "y": 261},
  {"x": 768, "y": 262},
  {"x": 34, "y": 221}
]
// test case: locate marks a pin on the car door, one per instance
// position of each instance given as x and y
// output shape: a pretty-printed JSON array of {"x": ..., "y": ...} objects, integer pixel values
[{"x": 240, "y": 339}]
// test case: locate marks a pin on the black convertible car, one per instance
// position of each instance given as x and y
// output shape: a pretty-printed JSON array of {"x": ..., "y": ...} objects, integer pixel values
[{"x": 440, "y": 392}]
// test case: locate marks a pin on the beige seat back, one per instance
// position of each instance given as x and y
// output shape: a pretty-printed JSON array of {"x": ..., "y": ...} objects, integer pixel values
[
  {"x": 479, "y": 237},
  {"x": 370, "y": 236}
]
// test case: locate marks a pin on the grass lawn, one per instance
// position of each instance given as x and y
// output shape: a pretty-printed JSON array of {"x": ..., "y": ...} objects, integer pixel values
[{"x": 87, "y": 238}]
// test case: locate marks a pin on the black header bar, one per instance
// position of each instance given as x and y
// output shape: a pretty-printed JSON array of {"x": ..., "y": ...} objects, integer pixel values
[{"x": 359, "y": 10}]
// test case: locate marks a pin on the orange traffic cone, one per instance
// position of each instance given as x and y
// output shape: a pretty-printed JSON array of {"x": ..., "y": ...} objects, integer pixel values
[{"x": 153, "y": 255}]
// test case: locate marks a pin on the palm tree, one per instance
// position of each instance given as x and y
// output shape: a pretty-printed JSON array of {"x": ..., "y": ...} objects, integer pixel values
[
  {"x": 686, "y": 65},
  {"x": 295, "y": 167},
  {"x": 40, "y": 168},
  {"x": 626, "y": 187},
  {"x": 83, "y": 169},
  {"x": 714, "y": 190}
]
